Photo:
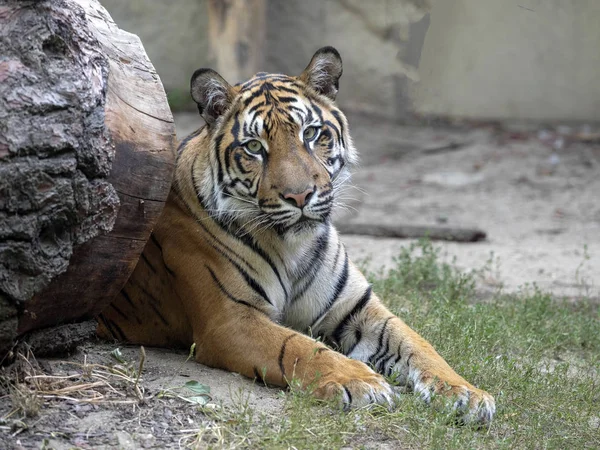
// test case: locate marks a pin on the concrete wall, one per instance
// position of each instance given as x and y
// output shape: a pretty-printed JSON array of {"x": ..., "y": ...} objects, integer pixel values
[
  {"x": 380, "y": 42},
  {"x": 487, "y": 59},
  {"x": 512, "y": 59}
]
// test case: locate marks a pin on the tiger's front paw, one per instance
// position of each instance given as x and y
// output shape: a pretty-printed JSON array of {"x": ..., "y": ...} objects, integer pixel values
[
  {"x": 473, "y": 405},
  {"x": 355, "y": 384}
]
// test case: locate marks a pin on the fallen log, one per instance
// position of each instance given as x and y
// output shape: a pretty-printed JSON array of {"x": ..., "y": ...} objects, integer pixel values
[
  {"x": 87, "y": 149},
  {"x": 432, "y": 232}
]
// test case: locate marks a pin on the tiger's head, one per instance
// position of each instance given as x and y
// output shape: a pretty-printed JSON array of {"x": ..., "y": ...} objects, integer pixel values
[{"x": 279, "y": 146}]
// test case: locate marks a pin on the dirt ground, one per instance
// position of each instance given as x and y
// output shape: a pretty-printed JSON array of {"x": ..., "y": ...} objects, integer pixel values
[{"x": 534, "y": 192}]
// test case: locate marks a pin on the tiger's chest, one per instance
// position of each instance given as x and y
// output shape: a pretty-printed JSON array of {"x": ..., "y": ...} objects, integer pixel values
[{"x": 312, "y": 268}]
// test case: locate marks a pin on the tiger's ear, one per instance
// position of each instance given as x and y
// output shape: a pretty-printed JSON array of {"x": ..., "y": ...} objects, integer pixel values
[
  {"x": 324, "y": 71},
  {"x": 212, "y": 94}
]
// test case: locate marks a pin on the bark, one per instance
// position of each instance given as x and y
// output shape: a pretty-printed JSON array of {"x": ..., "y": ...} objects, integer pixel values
[{"x": 86, "y": 158}]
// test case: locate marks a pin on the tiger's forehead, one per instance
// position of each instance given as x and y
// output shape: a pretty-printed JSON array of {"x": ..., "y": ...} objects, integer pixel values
[
  {"x": 268, "y": 101},
  {"x": 270, "y": 81}
]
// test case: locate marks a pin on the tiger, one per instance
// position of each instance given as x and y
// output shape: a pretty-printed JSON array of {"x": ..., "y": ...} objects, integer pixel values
[{"x": 245, "y": 261}]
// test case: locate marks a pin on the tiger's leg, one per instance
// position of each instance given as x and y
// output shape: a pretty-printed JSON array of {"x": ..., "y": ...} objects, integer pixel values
[
  {"x": 243, "y": 340},
  {"x": 369, "y": 332}
]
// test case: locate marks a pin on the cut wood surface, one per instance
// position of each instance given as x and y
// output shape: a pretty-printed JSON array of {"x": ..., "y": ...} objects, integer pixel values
[
  {"x": 433, "y": 232},
  {"x": 87, "y": 150}
]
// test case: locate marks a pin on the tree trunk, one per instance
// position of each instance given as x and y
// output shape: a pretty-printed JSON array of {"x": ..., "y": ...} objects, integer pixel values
[
  {"x": 87, "y": 150},
  {"x": 237, "y": 32}
]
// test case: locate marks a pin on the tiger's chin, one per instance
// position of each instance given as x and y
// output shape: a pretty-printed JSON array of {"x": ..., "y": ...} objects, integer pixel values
[{"x": 303, "y": 226}]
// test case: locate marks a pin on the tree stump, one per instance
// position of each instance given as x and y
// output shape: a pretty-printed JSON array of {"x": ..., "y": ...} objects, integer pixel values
[{"x": 87, "y": 150}]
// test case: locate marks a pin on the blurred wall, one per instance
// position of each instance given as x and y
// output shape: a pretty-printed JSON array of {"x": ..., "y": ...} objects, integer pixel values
[
  {"x": 512, "y": 59},
  {"x": 174, "y": 34},
  {"x": 487, "y": 59},
  {"x": 380, "y": 42}
]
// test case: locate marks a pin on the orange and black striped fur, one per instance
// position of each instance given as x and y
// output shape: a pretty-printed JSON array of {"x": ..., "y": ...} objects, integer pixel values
[{"x": 245, "y": 262}]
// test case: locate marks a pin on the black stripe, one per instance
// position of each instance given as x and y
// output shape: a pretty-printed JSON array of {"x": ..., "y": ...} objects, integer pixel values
[
  {"x": 382, "y": 357},
  {"x": 249, "y": 280},
  {"x": 321, "y": 209},
  {"x": 238, "y": 162},
  {"x": 338, "y": 117},
  {"x": 256, "y": 81},
  {"x": 324, "y": 193},
  {"x": 376, "y": 354},
  {"x": 155, "y": 241},
  {"x": 255, "y": 285},
  {"x": 322, "y": 202},
  {"x": 194, "y": 183},
  {"x": 408, "y": 359},
  {"x": 189, "y": 137},
  {"x": 159, "y": 314},
  {"x": 300, "y": 111},
  {"x": 314, "y": 264},
  {"x": 226, "y": 247},
  {"x": 169, "y": 271},
  {"x": 145, "y": 258},
  {"x": 249, "y": 242},
  {"x": 145, "y": 291},
  {"x": 133, "y": 305},
  {"x": 116, "y": 333},
  {"x": 337, "y": 333},
  {"x": 127, "y": 297},
  {"x": 280, "y": 215},
  {"x": 318, "y": 110},
  {"x": 253, "y": 96},
  {"x": 348, "y": 394},
  {"x": 119, "y": 312},
  {"x": 383, "y": 363},
  {"x": 288, "y": 90},
  {"x": 118, "y": 329},
  {"x": 253, "y": 109},
  {"x": 282, "y": 353},
  {"x": 227, "y": 294},
  {"x": 270, "y": 205},
  {"x": 339, "y": 287},
  {"x": 282, "y": 99},
  {"x": 357, "y": 338}
]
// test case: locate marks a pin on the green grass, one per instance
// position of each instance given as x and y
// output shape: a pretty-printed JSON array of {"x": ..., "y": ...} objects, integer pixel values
[{"x": 539, "y": 357}]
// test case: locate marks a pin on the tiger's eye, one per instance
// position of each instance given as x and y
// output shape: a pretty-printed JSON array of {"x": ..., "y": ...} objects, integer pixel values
[
  {"x": 254, "y": 146},
  {"x": 310, "y": 133}
]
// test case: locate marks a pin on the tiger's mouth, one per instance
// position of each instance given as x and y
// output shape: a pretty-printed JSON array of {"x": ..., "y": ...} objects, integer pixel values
[
  {"x": 302, "y": 223},
  {"x": 304, "y": 219}
]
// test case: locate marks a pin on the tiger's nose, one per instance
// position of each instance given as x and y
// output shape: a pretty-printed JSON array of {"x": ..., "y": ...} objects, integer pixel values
[{"x": 298, "y": 200}]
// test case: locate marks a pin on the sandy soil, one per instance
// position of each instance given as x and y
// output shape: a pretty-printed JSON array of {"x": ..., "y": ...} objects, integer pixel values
[
  {"x": 539, "y": 205},
  {"x": 535, "y": 193}
]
